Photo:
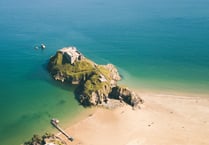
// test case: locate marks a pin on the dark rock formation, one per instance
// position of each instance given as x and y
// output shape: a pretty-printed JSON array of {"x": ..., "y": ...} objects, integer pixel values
[
  {"x": 126, "y": 95},
  {"x": 47, "y": 138},
  {"x": 96, "y": 83}
]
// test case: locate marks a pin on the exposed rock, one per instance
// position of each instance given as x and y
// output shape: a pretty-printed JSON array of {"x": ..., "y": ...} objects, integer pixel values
[
  {"x": 126, "y": 95},
  {"x": 46, "y": 139},
  {"x": 96, "y": 83},
  {"x": 114, "y": 74}
]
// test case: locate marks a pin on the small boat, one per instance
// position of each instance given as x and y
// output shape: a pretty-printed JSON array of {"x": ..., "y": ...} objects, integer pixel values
[
  {"x": 43, "y": 46},
  {"x": 36, "y": 47}
]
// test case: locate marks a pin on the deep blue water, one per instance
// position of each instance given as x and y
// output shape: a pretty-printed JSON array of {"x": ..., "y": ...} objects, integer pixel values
[{"x": 160, "y": 44}]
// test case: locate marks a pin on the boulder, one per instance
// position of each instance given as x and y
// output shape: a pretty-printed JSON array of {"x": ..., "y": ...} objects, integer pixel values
[{"x": 126, "y": 95}]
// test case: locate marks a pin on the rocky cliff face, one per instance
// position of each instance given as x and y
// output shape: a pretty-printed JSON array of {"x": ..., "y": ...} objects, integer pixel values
[
  {"x": 96, "y": 84},
  {"x": 126, "y": 95}
]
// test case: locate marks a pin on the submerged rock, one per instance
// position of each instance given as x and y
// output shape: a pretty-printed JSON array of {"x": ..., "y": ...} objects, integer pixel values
[{"x": 96, "y": 84}]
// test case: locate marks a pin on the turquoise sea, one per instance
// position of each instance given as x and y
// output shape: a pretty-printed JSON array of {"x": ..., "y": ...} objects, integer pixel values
[{"x": 159, "y": 45}]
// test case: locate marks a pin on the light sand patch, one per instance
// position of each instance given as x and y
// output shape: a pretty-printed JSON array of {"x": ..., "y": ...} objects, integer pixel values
[{"x": 162, "y": 120}]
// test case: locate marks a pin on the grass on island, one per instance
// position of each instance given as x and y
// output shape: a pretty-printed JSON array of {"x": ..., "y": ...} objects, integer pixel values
[
  {"x": 93, "y": 84},
  {"x": 83, "y": 70}
]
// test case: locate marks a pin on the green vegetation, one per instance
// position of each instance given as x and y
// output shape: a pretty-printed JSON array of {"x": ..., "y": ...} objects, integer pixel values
[
  {"x": 79, "y": 66},
  {"x": 57, "y": 59},
  {"x": 104, "y": 71},
  {"x": 78, "y": 71},
  {"x": 93, "y": 84}
]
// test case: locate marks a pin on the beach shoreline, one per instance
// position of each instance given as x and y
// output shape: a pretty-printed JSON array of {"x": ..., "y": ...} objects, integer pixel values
[{"x": 163, "y": 119}]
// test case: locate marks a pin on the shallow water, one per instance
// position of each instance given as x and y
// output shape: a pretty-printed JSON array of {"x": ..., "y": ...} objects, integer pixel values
[{"x": 155, "y": 44}]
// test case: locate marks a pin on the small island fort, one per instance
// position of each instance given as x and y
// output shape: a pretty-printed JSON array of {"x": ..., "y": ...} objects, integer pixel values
[{"x": 96, "y": 84}]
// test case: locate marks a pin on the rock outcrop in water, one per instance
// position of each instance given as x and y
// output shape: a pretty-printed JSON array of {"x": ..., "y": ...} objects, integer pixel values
[
  {"x": 46, "y": 139},
  {"x": 96, "y": 83}
]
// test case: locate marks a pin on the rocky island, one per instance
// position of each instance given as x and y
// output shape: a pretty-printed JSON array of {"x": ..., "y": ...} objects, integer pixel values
[{"x": 96, "y": 84}]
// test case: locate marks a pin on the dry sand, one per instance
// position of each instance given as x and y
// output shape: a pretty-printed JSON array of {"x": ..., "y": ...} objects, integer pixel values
[{"x": 162, "y": 120}]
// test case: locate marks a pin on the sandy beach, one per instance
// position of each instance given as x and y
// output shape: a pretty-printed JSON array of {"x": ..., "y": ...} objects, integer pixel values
[{"x": 162, "y": 120}]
